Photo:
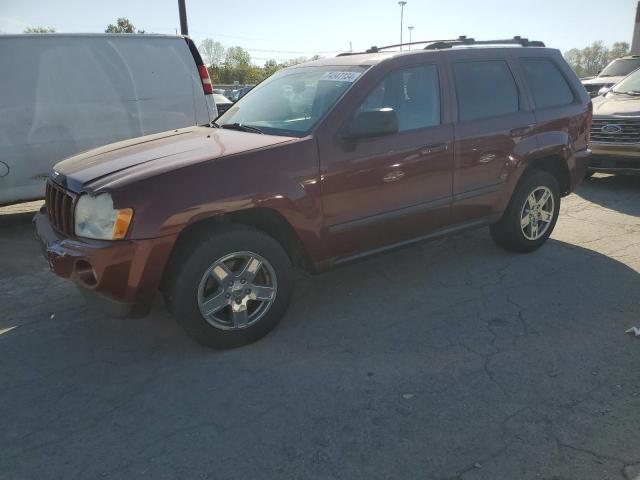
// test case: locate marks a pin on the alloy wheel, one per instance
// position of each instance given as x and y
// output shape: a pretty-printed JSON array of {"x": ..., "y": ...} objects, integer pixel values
[
  {"x": 237, "y": 290},
  {"x": 537, "y": 213}
]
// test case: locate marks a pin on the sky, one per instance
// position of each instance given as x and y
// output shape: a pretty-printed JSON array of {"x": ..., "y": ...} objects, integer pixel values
[{"x": 283, "y": 29}]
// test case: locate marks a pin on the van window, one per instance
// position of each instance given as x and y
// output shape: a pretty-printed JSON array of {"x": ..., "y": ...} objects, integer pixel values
[
  {"x": 485, "y": 89},
  {"x": 413, "y": 93},
  {"x": 548, "y": 86}
]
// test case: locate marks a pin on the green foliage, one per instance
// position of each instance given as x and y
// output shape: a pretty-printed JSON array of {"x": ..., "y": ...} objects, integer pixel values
[
  {"x": 237, "y": 65},
  {"x": 39, "y": 30},
  {"x": 123, "y": 25},
  {"x": 212, "y": 52},
  {"x": 590, "y": 60}
]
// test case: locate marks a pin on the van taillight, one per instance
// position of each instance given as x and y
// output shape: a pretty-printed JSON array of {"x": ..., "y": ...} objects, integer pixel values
[{"x": 207, "y": 86}]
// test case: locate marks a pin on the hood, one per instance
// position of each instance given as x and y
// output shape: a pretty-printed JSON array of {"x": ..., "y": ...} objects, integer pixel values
[
  {"x": 601, "y": 80},
  {"x": 616, "y": 105},
  {"x": 176, "y": 147}
]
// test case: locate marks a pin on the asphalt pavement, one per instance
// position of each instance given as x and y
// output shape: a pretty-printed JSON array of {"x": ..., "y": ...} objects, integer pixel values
[{"x": 448, "y": 360}]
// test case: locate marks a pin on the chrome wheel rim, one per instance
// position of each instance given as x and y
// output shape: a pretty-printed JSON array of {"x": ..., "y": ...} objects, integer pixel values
[
  {"x": 237, "y": 290},
  {"x": 537, "y": 213}
]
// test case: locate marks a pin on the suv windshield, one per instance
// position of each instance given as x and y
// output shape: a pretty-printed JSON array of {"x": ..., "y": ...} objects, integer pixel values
[
  {"x": 620, "y": 67},
  {"x": 630, "y": 84},
  {"x": 292, "y": 101}
]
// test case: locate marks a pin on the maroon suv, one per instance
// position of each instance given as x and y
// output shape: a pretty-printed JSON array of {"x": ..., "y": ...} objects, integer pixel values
[{"x": 320, "y": 164}]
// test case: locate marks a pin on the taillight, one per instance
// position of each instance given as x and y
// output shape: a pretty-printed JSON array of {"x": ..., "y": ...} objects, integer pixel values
[{"x": 207, "y": 86}]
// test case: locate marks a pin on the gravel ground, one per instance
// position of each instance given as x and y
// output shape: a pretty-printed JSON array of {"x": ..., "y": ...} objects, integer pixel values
[{"x": 451, "y": 359}]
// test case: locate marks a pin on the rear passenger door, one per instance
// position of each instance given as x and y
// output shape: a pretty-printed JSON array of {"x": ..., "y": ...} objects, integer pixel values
[{"x": 493, "y": 117}]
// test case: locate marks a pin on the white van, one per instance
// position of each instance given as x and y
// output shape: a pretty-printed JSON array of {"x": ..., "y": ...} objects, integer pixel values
[{"x": 61, "y": 94}]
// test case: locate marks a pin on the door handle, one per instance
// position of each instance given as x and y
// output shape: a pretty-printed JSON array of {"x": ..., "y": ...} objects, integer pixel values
[
  {"x": 521, "y": 131},
  {"x": 438, "y": 148}
]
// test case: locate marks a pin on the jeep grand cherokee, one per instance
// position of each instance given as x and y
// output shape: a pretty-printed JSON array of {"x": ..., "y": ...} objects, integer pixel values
[{"x": 320, "y": 164}]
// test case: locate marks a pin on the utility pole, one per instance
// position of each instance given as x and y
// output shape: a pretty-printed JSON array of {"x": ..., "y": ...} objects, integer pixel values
[
  {"x": 635, "y": 43},
  {"x": 410, "y": 31},
  {"x": 402, "y": 4},
  {"x": 182, "y": 9}
]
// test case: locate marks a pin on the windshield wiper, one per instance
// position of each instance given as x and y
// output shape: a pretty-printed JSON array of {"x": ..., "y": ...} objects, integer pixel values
[
  {"x": 242, "y": 128},
  {"x": 632, "y": 93}
]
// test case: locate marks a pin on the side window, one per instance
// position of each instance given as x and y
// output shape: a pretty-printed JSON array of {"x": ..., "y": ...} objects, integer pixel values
[
  {"x": 414, "y": 94},
  {"x": 485, "y": 89},
  {"x": 548, "y": 86}
]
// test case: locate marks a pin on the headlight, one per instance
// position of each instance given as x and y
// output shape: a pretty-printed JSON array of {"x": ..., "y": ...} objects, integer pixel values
[{"x": 96, "y": 218}]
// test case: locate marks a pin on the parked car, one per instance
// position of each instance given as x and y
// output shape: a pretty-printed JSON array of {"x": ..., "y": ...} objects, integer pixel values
[
  {"x": 611, "y": 74},
  {"x": 231, "y": 94},
  {"x": 222, "y": 103},
  {"x": 615, "y": 134},
  {"x": 390, "y": 149},
  {"x": 63, "y": 93},
  {"x": 243, "y": 91}
]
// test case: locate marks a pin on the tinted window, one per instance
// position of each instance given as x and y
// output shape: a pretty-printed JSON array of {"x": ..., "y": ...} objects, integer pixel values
[
  {"x": 548, "y": 86},
  {"x": 413, "y": 93},
  {"x": 620, "y": 67},
  {"x": 484, "y": 89}
]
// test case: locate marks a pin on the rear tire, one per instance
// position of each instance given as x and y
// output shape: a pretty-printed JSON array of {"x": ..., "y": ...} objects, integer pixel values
[
  {"x": 240, "y": 275},
  {"x": 531, "y": 215}
]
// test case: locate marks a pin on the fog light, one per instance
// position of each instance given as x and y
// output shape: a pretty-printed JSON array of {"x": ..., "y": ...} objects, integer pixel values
[{"x": 86, "y": 273}]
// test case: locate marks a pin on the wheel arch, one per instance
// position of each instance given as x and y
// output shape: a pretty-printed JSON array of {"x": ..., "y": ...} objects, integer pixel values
[
  {"x": 554, "y": 164},
  {"x": 265, "y": 219}
]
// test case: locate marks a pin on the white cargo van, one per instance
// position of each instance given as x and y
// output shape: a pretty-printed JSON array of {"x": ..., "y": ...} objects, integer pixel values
[{"x": 61, "y": 94}]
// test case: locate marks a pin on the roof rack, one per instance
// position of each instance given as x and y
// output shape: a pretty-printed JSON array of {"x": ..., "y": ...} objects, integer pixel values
[{"x": 461, "y": 40}]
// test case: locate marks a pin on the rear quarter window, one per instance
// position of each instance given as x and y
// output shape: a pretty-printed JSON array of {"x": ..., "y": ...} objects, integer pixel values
[
  {"x": 547, "y": 84},
  {"x": 485, "y": 89}
]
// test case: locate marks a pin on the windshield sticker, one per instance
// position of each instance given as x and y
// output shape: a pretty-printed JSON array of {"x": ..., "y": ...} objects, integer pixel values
[{"x": 340, "y": 76}]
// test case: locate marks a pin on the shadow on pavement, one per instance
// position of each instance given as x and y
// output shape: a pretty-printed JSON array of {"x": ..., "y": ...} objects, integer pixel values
[
  {"x": 616, "y": 192},
  {"x": 417, "y": 363}
]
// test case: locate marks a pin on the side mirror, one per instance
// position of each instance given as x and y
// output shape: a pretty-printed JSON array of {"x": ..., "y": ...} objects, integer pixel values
[{"x": 372, "y": 123}]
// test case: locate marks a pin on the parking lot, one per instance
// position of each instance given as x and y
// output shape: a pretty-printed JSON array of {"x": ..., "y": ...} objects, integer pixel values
[{"x": 451, "y": 359}]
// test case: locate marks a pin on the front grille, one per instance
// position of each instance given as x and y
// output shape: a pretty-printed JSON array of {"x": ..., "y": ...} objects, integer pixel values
[
  {"x": 59, "y": 203},
  {"x": 615, "y": 130}
]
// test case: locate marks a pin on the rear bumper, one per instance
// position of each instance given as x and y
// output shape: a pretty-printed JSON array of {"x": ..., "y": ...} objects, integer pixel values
[
  {"x": 623, "y": 159},
  {"x": 578, "y": 169},
  {"x": 121, "y": 277}
]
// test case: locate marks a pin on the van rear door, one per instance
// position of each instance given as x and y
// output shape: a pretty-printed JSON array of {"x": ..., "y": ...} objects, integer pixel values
[{"x": 63, "y": 94}]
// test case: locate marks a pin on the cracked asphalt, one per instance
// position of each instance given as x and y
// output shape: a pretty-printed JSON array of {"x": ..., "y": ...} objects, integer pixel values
[{"x": 448, "y": 360}]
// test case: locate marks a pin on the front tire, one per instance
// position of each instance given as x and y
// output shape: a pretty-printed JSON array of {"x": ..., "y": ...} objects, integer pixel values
[
  {"x": 531, "y": 215},
  {"x": 230, "y": 287}
]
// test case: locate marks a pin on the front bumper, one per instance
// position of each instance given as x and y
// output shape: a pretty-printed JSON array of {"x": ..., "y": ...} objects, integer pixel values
[
  {"x": 614, "y": 158},
  {"x": 122, "y": 277}
]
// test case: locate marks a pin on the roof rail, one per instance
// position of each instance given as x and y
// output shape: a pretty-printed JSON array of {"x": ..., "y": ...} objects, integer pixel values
[{"x": 461, "y": 40}]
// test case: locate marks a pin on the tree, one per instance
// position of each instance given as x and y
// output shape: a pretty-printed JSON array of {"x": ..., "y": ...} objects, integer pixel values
[
  {"x": 212, "y": 52},
  {"x": 618, "y": 49},
  {"x": 271, "y": 67},
  {"x": 39, "y": 30},
  {"x": 123, "y": 25},
  {"x": 237, "y": 56},
  {"x": 592, "y": 59}
]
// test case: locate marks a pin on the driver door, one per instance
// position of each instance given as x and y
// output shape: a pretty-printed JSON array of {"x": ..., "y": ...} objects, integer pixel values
[{"x": 384, "y": 190}]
